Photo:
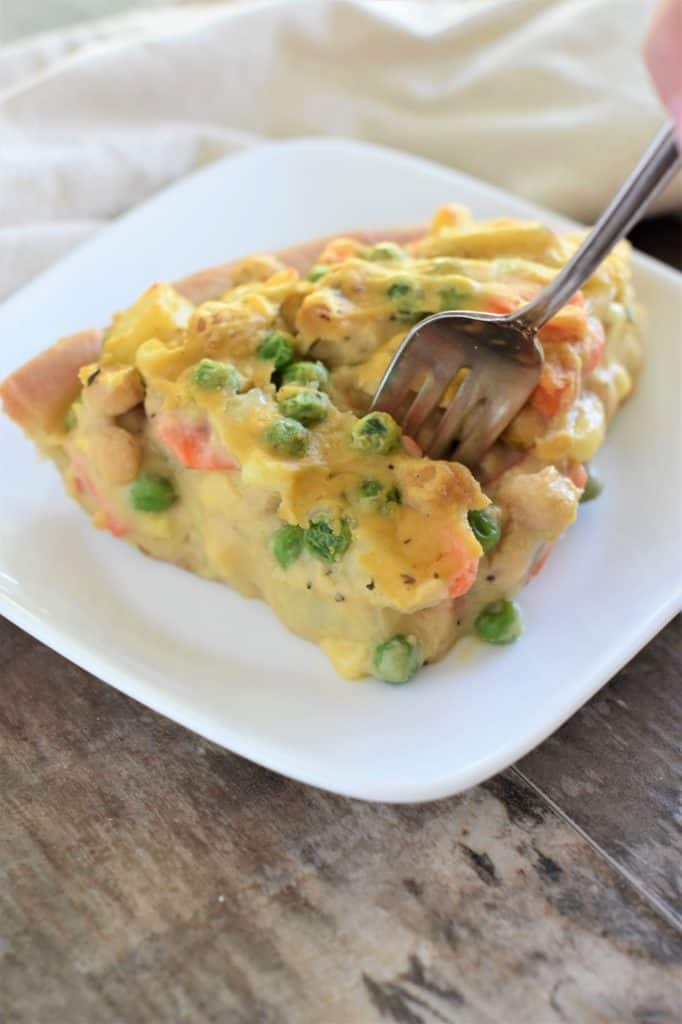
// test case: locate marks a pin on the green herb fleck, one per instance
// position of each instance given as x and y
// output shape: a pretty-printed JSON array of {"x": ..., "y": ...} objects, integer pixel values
[{"x": 316, "y": 273}]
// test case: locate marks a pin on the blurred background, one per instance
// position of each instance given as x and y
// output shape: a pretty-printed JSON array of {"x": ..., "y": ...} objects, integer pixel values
[
  {"x": 104, "y": 102},
  {"x": 25, "y": 17}
]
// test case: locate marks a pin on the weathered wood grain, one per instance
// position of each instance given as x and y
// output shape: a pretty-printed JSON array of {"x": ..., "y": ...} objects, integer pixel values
[
  {"x": 150, "y": 877},
  {"x": 615, "y": 769}
]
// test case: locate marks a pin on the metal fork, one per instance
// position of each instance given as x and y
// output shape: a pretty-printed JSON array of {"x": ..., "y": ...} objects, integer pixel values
[{"x": 500, "y": 358}]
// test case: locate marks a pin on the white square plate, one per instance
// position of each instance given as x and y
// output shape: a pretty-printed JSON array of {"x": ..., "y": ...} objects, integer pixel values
[{"x": 222, "y": 665}]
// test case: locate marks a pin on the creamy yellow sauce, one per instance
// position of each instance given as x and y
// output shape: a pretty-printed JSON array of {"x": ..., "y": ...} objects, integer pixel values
[{"x": 141, "y": 411}]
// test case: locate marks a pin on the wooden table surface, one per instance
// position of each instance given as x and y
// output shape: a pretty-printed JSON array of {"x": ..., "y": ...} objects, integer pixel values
[{"x": 149, "y": 876}]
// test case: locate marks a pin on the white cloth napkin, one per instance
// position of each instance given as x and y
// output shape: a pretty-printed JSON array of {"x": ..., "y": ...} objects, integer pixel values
[{"x": 547, "y": 98}]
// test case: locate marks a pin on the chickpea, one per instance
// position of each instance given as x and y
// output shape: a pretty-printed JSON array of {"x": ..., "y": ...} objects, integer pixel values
[
  {"x": 116, "y": 454},
  {"x": 114, "y": 390}
]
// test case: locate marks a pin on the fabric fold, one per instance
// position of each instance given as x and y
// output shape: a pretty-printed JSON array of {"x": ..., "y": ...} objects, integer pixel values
[{"x": 547, "y": 98}]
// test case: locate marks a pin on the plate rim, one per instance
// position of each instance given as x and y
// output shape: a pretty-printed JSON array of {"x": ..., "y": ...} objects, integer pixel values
[{"x": 402, "y": 792}]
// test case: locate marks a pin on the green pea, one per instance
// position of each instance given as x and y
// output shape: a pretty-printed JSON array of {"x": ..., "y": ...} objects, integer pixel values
[
  {"x": 324, "y": 542},
  {"x": 287, "y": 544},
  {"x": 307, "y": 373},
  {"x": 398, "y": 290},
  {"x": 486, "y": 528},
  {"x": 444, "y": 265},
  {"x": 70, "y": 417},
  {"x": 287, "y": 436},
  {"x": 371, "y": 494},
  {"x": 452, "y": 298},
  {"x": 307, "y": 406},
  {"x": 152, "y": 493},
  {"x": 499, "y": 623},
  {"x": 210, "y": 375},
  {"x": 408, "y": 301},
  {"x": 370, "y": 489},
  {"x": 409, "y": 316},
  {"x": 316, "y": 273},
  {"x": 377, "y": 497},
  {"x": 384, "y": 252},
  {"x": 377, "y": 433},
  {"x": 277, "y": 348},
  {"x": 593, "y": 488},
  {"x": 397, "y": 659}
]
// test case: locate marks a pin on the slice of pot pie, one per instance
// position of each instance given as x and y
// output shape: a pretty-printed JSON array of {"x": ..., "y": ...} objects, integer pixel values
[{"x": 221, "y": 424}]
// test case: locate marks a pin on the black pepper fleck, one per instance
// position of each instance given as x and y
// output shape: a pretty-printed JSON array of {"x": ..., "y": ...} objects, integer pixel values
[
  {"x": 459, "y": 622},
  {"x": 406, "y": 578},
  {"x": 308, "y": 585},
  {"x": 491, "y": 577},
  {"x": 391, "y": 466},
  {"x": 370, "y": 585},
  {"x": 93, "y": 376},
  {"x": 339, "y": 597},
  {"x": 408, "y": 541},
  {"x": 436, "y": 575}
]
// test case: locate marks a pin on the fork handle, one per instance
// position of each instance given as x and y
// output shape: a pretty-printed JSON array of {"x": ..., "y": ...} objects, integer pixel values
[{"x": 655, "y": 169}]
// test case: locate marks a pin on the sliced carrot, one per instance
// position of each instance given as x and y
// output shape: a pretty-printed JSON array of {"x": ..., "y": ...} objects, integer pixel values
[
  {"x": 190, "y": 442},
  {"x": 569, "y": 324},
  {"x": 577, "y": 473},
  {"x": 448, "y": 216},
  {"x": 116, "y": 527},
  {"x": 527, "y": 290},
  {"x": 502, "y": 303},
  {"x": 339, "y": 249},
  {"x": 463, "y": 580},
  {"x": 512, "y": 297},
  {"x": 411, "y": 446},
  {"x": 548, "y": 395},
  {"x": 594, "y": 345},
  {"x": 545, "y": 551},
  {"x": 85, "y": 485}
]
